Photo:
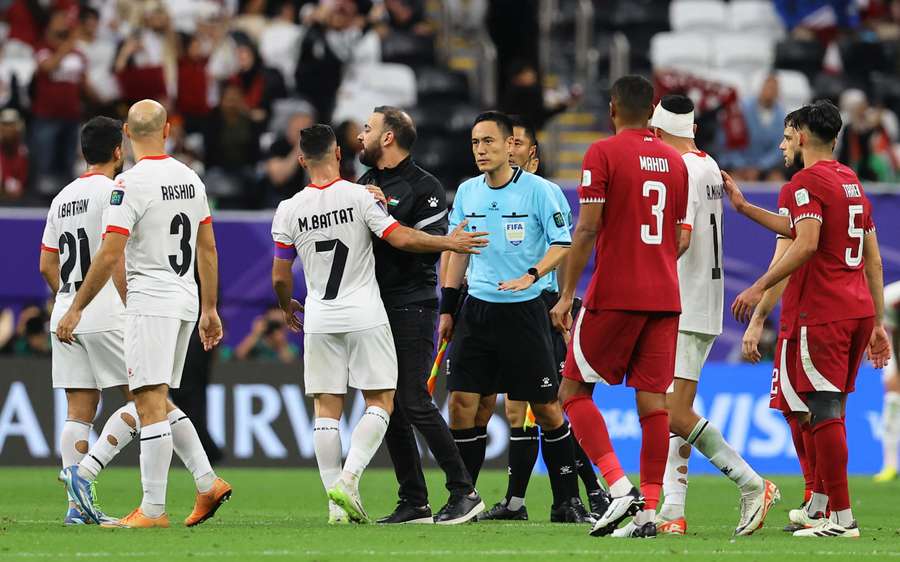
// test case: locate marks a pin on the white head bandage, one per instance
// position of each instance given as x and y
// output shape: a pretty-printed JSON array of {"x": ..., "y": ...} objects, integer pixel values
[{"x": 676, "y": 124}]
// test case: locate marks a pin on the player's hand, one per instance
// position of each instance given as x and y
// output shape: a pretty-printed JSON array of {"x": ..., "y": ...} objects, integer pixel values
[
  {"x": 879, "y": 348},
  {"x": 445, "y": 327},
  {"x": 750, "y": 342},
  {"x": 516, "y": 285},
  {"x": 738, "y": 201},
  {"x": 743, "y": 305},
  {"x": 376, "y": 191},
  {"x": 291, "y": 317},
  {"x": 210, "y": 328},
  {"x": 464, "y": 242},
  {"x": 561, "y": 316},
  {"x": 65, "y": 330}
]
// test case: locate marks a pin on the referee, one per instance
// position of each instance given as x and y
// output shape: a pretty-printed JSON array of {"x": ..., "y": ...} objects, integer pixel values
[
  {"x": 502, "y": 341},
  {"x": 408, "y": 285}
]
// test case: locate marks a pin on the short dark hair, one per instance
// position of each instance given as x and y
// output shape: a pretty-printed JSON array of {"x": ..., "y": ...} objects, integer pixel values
[
  {"x": 519, "y": 121},
  {"x": 633, "y": 96},
  {"x": 677, "y": 103},
  {"x": 821, "y": 117},
  {"x": 86, "y": 12},
  {"x": 501, "y": 119},
  {"x": 99, "y": 139},
  {"x": 399, "y": 123},
  {"x": 316, "y": 140}
]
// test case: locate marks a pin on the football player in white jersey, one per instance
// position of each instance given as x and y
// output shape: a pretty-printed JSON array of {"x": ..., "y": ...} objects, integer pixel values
[
  {"x": 348, "y": 340},
  {"x": 159, "y": 219},
  {"x": 890, "y": 413},
  {"x": 701, "y": 285}
]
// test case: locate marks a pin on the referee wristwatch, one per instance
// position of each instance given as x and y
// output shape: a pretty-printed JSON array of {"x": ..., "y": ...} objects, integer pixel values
[{"x": 534, "y": 273}]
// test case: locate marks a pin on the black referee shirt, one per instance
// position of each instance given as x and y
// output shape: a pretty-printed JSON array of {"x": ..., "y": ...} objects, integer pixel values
[{"x": 417, "y": 200}]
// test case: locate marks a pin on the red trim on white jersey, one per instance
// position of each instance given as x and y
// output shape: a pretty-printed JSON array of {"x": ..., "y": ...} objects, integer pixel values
[
  {"x": 207, "y": 220},
  {"x": 157, "y": 157},
  {"x": 389, "y": 229},
  {"x": 118, "y": 230},
  {"x": 329, "y": 184},
  {"x": 49, "y": 249}
]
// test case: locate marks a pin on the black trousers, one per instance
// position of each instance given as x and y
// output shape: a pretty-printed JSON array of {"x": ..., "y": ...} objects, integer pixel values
[{"x": 413, "y": 328}]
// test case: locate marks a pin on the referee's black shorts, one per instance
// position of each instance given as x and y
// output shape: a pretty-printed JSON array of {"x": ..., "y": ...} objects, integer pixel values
[
  {"x": 559, "y": 343},
  {"x": 503, "y": 348}
]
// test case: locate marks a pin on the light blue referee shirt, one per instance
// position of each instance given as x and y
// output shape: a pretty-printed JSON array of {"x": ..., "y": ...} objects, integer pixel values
[
  {"x": 523, "y": 219},
  {"x": 567, "y": 213}
]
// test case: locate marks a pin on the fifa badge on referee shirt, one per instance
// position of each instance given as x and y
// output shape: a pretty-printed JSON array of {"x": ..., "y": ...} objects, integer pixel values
[{"x": 515, "y": 232}]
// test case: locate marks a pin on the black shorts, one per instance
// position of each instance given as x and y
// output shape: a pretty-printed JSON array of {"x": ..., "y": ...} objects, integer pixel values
[
  {"x": 503, "y": 348},
  {"x": 559, "y": 343}
]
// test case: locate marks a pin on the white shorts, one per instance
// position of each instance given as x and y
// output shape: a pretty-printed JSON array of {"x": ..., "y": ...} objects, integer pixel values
[
  {"x": 95, "y": 360},
  {"x": 691, "y": 352},
  {"x": 155, "y": 348},
  {"x": 365, "y": 360}
]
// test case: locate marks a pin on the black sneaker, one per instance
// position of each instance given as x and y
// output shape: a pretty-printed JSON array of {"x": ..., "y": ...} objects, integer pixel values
[
  {"x": 632, "y": 531},
  {"x": 500, "y": 512},
  {"x": 571, "y": 511},
  {"x": 460, "y": 509},
  {"x": 405, "y": 512},
  {"x": 619, "y": 509},
  {"x": 599, "y": 501}
]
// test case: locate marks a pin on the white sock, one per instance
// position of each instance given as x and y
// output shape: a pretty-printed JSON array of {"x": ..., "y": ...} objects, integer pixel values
[
  {"x": 890, "y": 416},
  {"x": 515, "y": 503},
  {"x": 675, "y": 480},
  {"x": 117, "y": 433},
  {"x": 190, "y": 450},
  {"x": 620, "y": 487},
  {"x": 644, "y": 516},
  {"x": 156, "y": 455},
  {"x": 327, "y": 443},
  {"x": 73, "y": 441},
  {"x": 818, "y": 503},
  {"x": 843, "y": 517},
  {"x": 709, "y": 441},
  {"x": 365, "y": 440}
]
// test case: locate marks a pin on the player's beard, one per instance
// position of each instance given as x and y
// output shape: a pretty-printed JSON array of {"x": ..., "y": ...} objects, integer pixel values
[
  {"x": 370, "y": 156},
  {"x": 798, "y": 159}
]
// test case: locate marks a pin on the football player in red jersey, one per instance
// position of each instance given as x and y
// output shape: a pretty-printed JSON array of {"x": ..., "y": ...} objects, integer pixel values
[{"x": 835, "y": 260}]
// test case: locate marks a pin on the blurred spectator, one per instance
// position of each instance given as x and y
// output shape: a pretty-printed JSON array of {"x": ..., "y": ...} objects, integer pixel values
[
  {"x": 524, "y": 96},
  {"x": 32, "y": 338},
  {"x": 231, "y": 147},
  {"x": 347, "y": 133},
  {"x": 192, "y": 102},
  {"x": 761, "y": 159},
  {"x": 508, "y": 23},
  {"x": 283, "y": 175},
  {"x": 866, "y": 142},
  {"x": 28, "y": 19},
  {"x": 887, "y": 25},
  {"x": 13, "y": 156},
  {"x": 56, "y": 104},
  {"x": 260, "y": 86},
  {"x": 147, "y": 62},
  {"x": 268, "y": 340},
  {"x": 279, "y": 41},
  {"x": 100, "y": 54},
  {"x": 251, "y": 19}
]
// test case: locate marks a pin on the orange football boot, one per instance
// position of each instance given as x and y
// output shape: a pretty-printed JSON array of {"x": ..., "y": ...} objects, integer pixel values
[
  {"x": 137, "y": 520},
  {"x": 207, "y": 503},
  {"x": 673, "y": 527}
]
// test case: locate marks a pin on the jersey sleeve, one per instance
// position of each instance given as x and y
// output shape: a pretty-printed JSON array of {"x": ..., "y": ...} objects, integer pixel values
[
  {"x": 683, "y": 194},
  {"x": 430, "y": 214},
  {"x": 50, "y": 239},
  {"x": 869, "y": 221},
  {"x": 563, "y": 205},
  {"x": 205, "y": 212},
  {"x": 594, "y": 176},
  {"x": 693, "y": 202},
  {"x": 552, "y": 217},
  {"x": 457, "y": 215},
  {"x": 124, "y": 210},
  {"x": 802, "y": 203},
  {"x": 783, "y": 209},
  {"x": 379, "y": 221},
  {"x": 282, "y": 234}
]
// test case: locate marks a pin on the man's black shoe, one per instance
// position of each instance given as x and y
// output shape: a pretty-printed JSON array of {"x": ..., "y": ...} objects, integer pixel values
[
  {"x": 500, "y": 512},
  {"x": 598, "y": 502},
  {"x": 405, "y": 512},
  {"x": 571, "y": 511},
  {"x": 460, "y": 509}
]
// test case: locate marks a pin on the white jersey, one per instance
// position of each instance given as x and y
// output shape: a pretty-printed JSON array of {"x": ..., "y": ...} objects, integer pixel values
[
  {"x": 160, "y": 204},
  {"x": 74, "y": 229},
  {"x": 892, "y": 305},
  {"x": 700, "y": 272},
  {"x": 329, "y": 228}
]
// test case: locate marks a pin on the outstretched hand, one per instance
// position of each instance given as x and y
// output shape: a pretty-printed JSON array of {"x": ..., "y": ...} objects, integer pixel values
[{"x": 465, "y": 242}]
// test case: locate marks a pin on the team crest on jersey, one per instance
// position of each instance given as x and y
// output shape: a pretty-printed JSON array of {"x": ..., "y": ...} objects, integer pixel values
[
  {"x": 801, "y": 196},
  {"x": 515, "y": 232},
  {"x": 116, "y": 197},
  {"x": 585, "y": 178}
]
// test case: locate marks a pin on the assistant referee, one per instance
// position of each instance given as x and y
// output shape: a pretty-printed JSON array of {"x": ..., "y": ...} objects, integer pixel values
[{"x": 408, "y": 285}]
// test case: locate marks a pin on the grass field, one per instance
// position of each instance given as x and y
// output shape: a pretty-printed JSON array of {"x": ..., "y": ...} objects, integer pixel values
[{"x": 281, "y": 515}]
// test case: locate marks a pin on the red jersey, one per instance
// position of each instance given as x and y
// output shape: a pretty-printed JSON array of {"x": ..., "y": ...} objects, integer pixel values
[
  {"x": 832, "y": 285},
  {"x": 643, "y": 184}
]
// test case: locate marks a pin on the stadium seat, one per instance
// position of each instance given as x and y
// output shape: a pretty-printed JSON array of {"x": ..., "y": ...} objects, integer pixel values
[
  {"x": 829, "y": 86},
  {"x": 805, "y": 56},
  {"x": 368, "y": 85},
  {"x": 861, "y": 58},
  {"x": 449, "y": 157},
  {"x": 437, "y": 84},
  {"x": 688, "y": 51},
  {"x": 407, "y": 48},
  {"x": 748, "y": 53},
  {"x": 698, "y": 16},
  {"x": 755, "y": 16},
  {"x": 886, "y": 90},
  {"x": 737, "y": 80}
]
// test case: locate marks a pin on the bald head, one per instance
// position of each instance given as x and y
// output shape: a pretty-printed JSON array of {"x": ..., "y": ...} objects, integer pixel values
[{"x": 146, "y": 119}]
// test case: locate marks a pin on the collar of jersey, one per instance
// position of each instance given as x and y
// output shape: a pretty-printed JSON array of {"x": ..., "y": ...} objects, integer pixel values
[
  {"x": 89, "y": 174},
  {"x": 517, "y": 173},
  {"x": 329, "y": 184},
  {"x": 397, "y": 170},
  {"x": 157, "y": 157}
]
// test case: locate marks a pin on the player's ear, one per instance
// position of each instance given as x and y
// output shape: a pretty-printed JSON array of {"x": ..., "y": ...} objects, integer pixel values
[
  {"x": 337, "y": 152},
  {"x": 167, "y": 128},
  {"x": 125, "y": 130},
  {"x": 695, "y": 129},
  {"x": 301, "y": 160}
]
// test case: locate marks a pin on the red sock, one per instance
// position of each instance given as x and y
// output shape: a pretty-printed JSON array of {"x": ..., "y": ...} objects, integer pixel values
[
  {"x": 590, "y": 431},
  {"x": 654, "y": 453},
  {"x": 800, "y": 447},
  {"x": 809, "y": 443},
  {"x": 831, "y": 450}
]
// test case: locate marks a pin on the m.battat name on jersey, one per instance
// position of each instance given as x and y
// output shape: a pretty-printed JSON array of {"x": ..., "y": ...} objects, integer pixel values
[
  {"x": 183, "y": 191},
  {"x": 325, "y": 220},
  {"x": 72, "y": 208}
]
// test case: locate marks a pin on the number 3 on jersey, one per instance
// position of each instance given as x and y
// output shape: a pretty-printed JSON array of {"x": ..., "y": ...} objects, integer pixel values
[
  {"x": 181, "y": 226},
  {"x": 648, "y": 236}
]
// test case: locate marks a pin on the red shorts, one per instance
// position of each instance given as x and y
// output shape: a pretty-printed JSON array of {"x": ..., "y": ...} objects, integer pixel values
[
  {"x": 830, "y": 354},
  {"x": 783, "y": 395},
  {"x": 607, "y": 344}
]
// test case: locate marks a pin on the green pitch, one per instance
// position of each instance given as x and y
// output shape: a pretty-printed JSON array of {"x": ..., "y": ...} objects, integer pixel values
[{"x": 281, "y": 515}]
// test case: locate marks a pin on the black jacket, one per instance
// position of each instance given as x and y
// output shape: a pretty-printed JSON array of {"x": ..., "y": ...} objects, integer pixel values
[{"x": 417, "y": 200}]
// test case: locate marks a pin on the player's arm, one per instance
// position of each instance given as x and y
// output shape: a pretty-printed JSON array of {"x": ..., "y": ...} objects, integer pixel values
[
  {"x": 554, "y": 256},
  {"x": 210, "y": 325},
  {"x": 753, "y": 333},
  {"x": 49, "y": 267},
  {"x": 684, "y": 239},
  {"x": 589, "y": 221},
  {"x": 118, "y": 277},
  {"x": 879, "y": 344},
  {"x": 798, "y": 253},
  {"x": 453, "y": 276},
  {"x": 111, "y": 251},
  {"x": 779, "y": 224},
  {"x": 283, "y": 284},
  {"x": 459, "y": 241}
]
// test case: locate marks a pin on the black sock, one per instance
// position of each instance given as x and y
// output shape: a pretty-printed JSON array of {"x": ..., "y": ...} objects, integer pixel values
[
  {"x": 523, "y": 452},
  {"x": 585, "y": 468},
  {"x": 560, "y": 460},
  {"x": 471, "y": 443}
]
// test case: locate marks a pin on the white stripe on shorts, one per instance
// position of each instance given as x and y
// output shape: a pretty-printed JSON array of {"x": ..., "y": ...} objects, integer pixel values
[
  {"x": 588, "y": 374},
  {"x": 816, "y": 379},
  {"x": 790, "y": 395}
]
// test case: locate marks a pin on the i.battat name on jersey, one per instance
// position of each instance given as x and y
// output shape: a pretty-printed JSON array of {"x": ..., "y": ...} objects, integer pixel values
[
  {"x": 72, "y": 208},
  {"x": 183, "y": 191},
  {"x": 325, "y": 220}
]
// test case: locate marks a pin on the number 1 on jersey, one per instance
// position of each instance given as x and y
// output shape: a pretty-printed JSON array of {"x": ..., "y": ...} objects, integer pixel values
[
  {"x": 717, "y": 269},
  {"x": 337, "y": 265}
]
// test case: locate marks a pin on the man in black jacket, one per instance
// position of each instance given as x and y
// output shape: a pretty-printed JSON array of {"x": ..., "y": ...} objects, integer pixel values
[{"x": 408, "y": 288}]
